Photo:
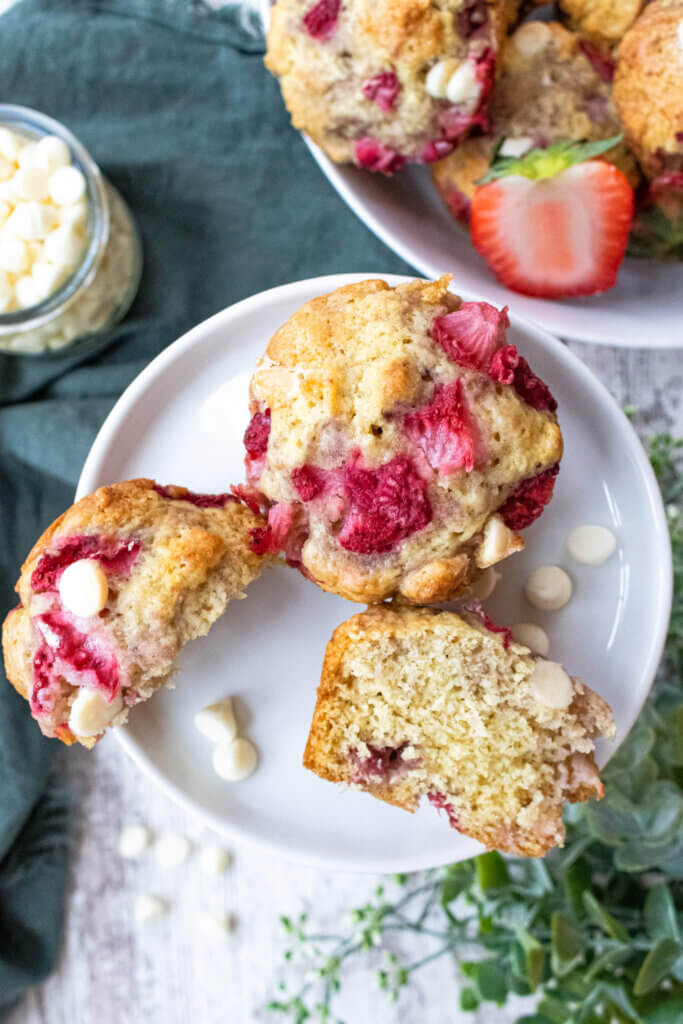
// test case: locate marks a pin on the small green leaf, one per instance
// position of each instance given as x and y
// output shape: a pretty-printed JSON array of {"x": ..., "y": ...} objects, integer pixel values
[
  {"x": 601, "y": 917},
  {"x": 669, "y": 1012},
  {"x": 611, "y": 958},
  {"x": 492, "y": 871},
  {"x": 456, "y": 881},
  {"x": 490, "y": 982},
  {"x": 566, "y": 944},
  {"x": 660, "y": 914},
  {"x": 554, "y": 1011},
  {"x": 534, "y": 958},
  {"x": 656, "y": 966},
  {"x": 577, "y": 880},
  {"x": 469, "y": 1000},
  {"x": 548, "y": 162}
]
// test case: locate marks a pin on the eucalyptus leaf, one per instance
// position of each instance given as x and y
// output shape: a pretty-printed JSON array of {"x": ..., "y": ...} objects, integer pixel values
[
  {"x": 670, "y": 1012},
  {"x": 656, "y": 966},
  {"x": 492, "y": 870},
  {"x": 534, "y": 958},
  {"x": 601, "y": 917},
  {"x": 567, "y": 944},
  {"x": 490, "y": 982},
  {"x": 660, "y": 914},
  {"x": 554, "y": 1010}
]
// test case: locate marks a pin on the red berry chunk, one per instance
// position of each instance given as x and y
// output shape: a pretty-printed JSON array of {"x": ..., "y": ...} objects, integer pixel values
[
  {"x": 471, "y": 335},
  {"x": 472, "y": 17},
  {"x": 383, "y": 88},
  {"x": 320, "y": 20},
  {"x": 375, "y": 156},
  {"x": 70, "y": 653},
  {"x": 443, "y": 430},
  {"x": 287, "y": 531},
  {"x": 508, "y": 367},
  {"x": 250, "y": 496},
  {"x": 257, "y": 433},
  {"x": 309, "y": 482},
  {"x": 527, "y": 502},
  {"x": 200, "y": 500},
  {"x": 602, "y": 62},
  {"x": 381, "y": 764},
  {"x": 385, "y": 505},
  {"x": 475, "y": 608},
  {"x": 442, "y": 803},
  {"x": 503, "y": 365},
  {"x": 116, "y": 556}
]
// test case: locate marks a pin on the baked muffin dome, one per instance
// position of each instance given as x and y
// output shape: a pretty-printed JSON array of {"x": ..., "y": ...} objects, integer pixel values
[
  {"x": 164, "y": 562},
  {"x": 399, "y": 441},
  {"x": 380, "y": 82},
  {"x": 548, "y": 90},
  {"x": 648, "y": 87},
  {"x": 417, "y": 703},
  {"x": 603, "y": 22}
]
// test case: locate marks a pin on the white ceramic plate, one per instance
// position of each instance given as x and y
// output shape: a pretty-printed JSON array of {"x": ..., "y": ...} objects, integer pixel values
[
  {"x": 644, "y": 309},
  {"x": 182, "y": 420}
]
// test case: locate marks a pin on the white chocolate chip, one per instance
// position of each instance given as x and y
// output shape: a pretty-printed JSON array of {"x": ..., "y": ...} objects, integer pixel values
[
  {"x": 216, "y": 924},
  {"x": 91, "y": 713},
  {"x": 531, "y": 38},
  {"x": 516, "y": 147},
  {"x": 548, "y": 588},
  {"x": 63, "y": 246},
  {"x": 74, "y": 216},
  {"x": 5, "y": 210},
  {"x": 551, "y": 685},
  {"x": 31, "y": 221},
  {"x": 31, "y": 183},
  {"x": 498, "y": 542},
  {"x": 149, "y": 908},
  {"x": 463, "y": 86},
  {"x": 6, "y": 292},
  {"x": 217, "y": 721},
  {"x": 8, "y": 191},
  {"x": 47, "y": 277},
  {"x": 26, "y": 292},
  {"x": 9, "y": 144},
  {"x": 133, "y": 841},
  {"x": 83, "y": 588},
  {"x": 6, "y": 169},
  {"x": 235, "y": 761},
  {"x": 172, "y": 850},
  {"x": 437, "y": 78},
  {"x": 484, "y": 585},
  {"x": 66, "y": 186},
  {"x": 591, "y": 545},
  {"x": 52, "y": 152},
  {"x": 532, "y": 636},
  {"x": 13, "y": 254},
  {"x": 214, "y": 859}
]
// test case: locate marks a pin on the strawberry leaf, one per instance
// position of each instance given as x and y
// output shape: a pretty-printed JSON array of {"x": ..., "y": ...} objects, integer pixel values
[{"x": 548, "y": 162}]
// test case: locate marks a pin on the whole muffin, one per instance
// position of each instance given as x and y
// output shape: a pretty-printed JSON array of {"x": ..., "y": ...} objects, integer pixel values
[
  {"x": 648, "y": 87},
  {"x": 399, "y": 441},
  {"x": 381, "y": 82},
  {"x": 416, "y": 703},
  {"x": 548, "y": 90},
  {"x": 603, "y": 22},
  {"x": 110, "y": 594}
]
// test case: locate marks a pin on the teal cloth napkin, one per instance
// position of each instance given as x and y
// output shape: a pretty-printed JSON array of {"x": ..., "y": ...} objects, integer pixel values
[{"x": 173, "y": 102}]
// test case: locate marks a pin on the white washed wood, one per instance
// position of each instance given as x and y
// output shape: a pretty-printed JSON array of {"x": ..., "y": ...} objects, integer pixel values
[{"x": 113, "y": 972}]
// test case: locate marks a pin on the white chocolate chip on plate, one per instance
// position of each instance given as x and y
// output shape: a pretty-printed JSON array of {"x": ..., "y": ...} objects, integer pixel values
[
  {"x": 548, "y": 588},
  {"x": 214, "y": 859},
  {"x": 91, "y": 713},
  {"x": 217, "y": 721},
  {"x": 532, "y": 636},
  {"x": 235, "y": 761},
  {"x": 484, "y": 585},
  {"x": 133, "y": 841},
  {"x": 551, "y": 685},
  {"x": 172, "y": 850},
  {"x": 591, "y": 545},
  {"x": 83, "y": 588},
  {"x": 149, "y": 908},
  {"x": 216, "y": 924}
]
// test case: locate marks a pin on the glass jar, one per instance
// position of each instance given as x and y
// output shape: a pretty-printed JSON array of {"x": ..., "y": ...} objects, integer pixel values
[{"x": 99, "y": 291}]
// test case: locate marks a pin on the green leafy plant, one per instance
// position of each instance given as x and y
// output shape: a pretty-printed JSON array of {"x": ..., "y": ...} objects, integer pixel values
[
  {"x": 548, "y": 161},
  {"x": 593, "y": 930}
]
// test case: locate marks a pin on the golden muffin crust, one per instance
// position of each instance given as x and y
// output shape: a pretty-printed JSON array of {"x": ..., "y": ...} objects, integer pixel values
[
  {"x": 353, "y": 75},
  {"x": 384, "y": 457},
  {"x": 648, "y": 87},
  {"x": 604, "y": 22},
  {"x": 547, "y": 91},
  {"x": 171, "y": 567},
  {"x": 416, "y": 703}
]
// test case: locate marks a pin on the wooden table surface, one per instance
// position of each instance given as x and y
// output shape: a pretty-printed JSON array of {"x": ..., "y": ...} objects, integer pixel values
[{"x": 172, "y": 971}]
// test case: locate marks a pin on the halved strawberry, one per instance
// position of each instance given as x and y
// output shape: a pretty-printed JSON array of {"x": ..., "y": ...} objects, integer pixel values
[{"x": 555, "y": 223}]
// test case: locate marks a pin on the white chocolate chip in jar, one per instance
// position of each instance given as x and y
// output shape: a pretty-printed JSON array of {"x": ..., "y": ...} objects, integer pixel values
[
  {"x": 532, "y": 636},
  {"x": 66, "y": 186},
  {"x": 83, "y": 588},
  {"x": 91, "y": 713},
  {"x": 591, "y": 545},
  {"x": 217, "y": 721},
  {"x": 235, "y": 761},
  {"x": 548, "y": 588},
  {"x": 551, "y": 685}
]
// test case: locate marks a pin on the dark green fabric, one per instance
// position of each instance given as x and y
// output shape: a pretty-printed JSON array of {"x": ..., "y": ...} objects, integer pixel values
[{"x": 174, "y": 104}]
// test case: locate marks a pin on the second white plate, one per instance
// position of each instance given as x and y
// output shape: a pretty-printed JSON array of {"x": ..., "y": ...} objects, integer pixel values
[{"x": 181, "y": 421}]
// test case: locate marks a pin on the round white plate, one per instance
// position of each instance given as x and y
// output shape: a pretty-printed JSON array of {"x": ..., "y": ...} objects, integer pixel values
[
  {"x": 181, "y": 421},
  {"x": 643, "y": 310}
]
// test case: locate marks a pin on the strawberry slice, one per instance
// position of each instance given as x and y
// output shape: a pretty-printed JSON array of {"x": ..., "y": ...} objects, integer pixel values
[{"x": 555, "y": 223}]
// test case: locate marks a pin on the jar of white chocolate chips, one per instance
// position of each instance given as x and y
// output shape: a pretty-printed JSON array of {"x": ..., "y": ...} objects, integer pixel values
[{"x": 70, "y": 251}]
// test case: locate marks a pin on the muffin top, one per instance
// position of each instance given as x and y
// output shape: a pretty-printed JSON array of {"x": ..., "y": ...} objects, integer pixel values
[
  {"x": 389, "y": 426},
  {"x": 648, "y": 87},
  {"x": 603, "y": 22},
  {"x": 379, "y": 82}
]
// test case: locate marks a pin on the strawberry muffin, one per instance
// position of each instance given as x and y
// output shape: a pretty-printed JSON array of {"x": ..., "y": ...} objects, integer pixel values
[
  {"x": 602, "y": 22},
  {"x": 551, "y": 88},
  {"x": 399, "y": 441},
  {"x": 384, "y": 82},
  {"x": 111, "y": 593},
  {"x": 416, "y": 703},
  {"x": 648, "y": 87}
]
